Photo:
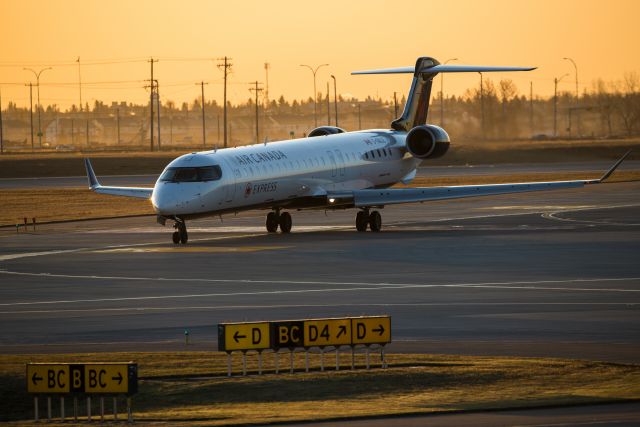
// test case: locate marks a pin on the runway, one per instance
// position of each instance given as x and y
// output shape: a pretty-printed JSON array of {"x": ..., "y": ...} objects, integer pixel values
[{"x": 540, "y": 274}]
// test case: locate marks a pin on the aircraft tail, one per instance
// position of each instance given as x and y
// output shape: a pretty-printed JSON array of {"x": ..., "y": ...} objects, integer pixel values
[{"x": 426, "y": 68}]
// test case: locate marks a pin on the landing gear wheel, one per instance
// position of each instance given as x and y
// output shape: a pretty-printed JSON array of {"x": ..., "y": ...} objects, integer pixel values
[
  {"x": 362, "y": 220},
  {"x": 285, "y": 222},
  {"x": 375, "y": 221},
  {"x": 184, "y": 237},
  {"x": 176, "y": 237},
  {"x": 272, "y": 222},
  {"x": 182, "y": 231}
]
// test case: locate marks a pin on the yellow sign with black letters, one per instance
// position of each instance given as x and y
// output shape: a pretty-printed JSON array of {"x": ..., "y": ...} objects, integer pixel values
[
  {"x": 243, "y": 336},
  {"x": 327, "y": 332},
  {"x": 95, "y": 378},
  {"x": 371, "y": 330}
]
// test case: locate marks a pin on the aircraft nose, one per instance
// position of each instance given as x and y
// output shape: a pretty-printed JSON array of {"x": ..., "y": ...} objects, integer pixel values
[{"x": 164, "y": 202}]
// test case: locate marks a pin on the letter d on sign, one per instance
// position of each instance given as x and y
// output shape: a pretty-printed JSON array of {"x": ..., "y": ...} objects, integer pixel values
[
  {"x": 361, "y": 331},
  {"x": 256, "y": 335}
]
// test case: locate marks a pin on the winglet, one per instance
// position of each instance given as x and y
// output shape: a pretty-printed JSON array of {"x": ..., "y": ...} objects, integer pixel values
[
  {"x": 91, "y": 176},
  {"x": 614, "y": 167}
]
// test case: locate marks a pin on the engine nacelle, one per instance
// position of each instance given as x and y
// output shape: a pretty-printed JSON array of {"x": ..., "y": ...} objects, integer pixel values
[
  {"x": 427, "y": 142},
  {"x": 325, "y": 130}
]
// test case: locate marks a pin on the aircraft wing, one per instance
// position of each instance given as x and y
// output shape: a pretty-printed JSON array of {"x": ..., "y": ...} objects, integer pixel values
[
  {"x": 139, "y": 192},
  {"x": 390, "y": 196}
]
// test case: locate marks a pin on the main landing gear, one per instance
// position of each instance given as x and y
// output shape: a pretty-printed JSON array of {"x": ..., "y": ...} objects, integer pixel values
[
  {"x": 276, "y": 219},
  {"x": 180, "y": 235},
  {"x": 365, "y": 219}
]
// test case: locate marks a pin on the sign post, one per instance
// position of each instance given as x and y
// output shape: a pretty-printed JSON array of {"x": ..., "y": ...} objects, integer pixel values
[{"x": 76, "y": 379}]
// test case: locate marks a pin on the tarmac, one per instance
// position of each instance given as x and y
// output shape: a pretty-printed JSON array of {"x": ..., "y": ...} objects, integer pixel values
[{"x": 552, "y": 274}]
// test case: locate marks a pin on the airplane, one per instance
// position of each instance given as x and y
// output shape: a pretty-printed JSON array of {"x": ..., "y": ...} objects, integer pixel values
[{"x": 329, "y": 169}]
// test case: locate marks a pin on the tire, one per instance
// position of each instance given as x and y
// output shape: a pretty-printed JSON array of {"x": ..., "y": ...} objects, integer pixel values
[
  {"x": 375, "y": 221},
  {"x": 272, "y": 222},
  {"x": 361, "y": 221},
  {"x": 184, "y": 237},
  {"x": 176, "y": 237},
  {"x": 285, "y": 222}
]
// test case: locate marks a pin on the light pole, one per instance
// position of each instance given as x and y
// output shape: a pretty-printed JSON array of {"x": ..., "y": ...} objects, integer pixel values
[
  {"x": 335, "y": 98},
  {"x": 577, "y": 95},
  {"x": 442, "y": 94},
  {"x": 484, "y": 135},
  {"x": 555, "y": 103},
  {"x": 315, "y": 93},
  {"x": 39, "y": 106}
]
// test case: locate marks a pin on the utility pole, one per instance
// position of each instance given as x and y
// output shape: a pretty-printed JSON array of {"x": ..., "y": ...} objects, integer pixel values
[
  {"x": 484, "y": 135},
  {"x": 531, "y": 107},
  {"x": 315, "y": 92},
  {"x": 204, "y": 137},
  {"x": 1, "y": 135},
  {"x": 31, "y": 111},
  {"x": 442, "y": 94},
  {"x": 151, "y": 60},
  {"x": 328, "y": 106},
  {"x": 118, "y": 124},
  {"x": 555, "y": 104},
  {"x": 335, "y": 98},
  {"x": 79, "y": 82},
  {"x": 158, "y": 105},
  {"x": 225, "y": 66},
  {"x": 577, "y": 97},
  {"x": 87, "y": 133},
  {"x": 359, "y": 118},
  {"x": 395, "y": 104},
  {"x": 257, "y": 90}
]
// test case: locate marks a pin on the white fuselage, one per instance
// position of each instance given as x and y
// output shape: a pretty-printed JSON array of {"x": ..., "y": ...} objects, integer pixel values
[{"x": 277, "y": 174}]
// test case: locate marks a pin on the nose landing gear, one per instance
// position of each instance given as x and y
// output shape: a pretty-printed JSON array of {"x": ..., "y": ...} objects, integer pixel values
[
  {"x": 180, "y": 235},
  {"x": 365, "y": 219},
  {"x": 276, "y": 219}
]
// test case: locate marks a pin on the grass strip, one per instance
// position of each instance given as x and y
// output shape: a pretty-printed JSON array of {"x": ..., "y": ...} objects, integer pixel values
[{"x": 185, "y": 387}]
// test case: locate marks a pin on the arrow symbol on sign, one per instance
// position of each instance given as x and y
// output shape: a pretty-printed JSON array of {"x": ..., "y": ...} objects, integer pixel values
[
  {"x": 379, "y": 330},
  {"x": 118, "y": 378},
  {"x": 35, "y": 378},
  {"x": 237, "y": 336},
  {"x": 342, "y": 330}
]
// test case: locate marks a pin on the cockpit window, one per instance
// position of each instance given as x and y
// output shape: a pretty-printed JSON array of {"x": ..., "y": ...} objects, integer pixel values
[{"x": 206, "y": 173}]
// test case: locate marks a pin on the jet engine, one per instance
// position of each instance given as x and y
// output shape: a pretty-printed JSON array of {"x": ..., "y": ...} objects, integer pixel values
[
  {"x": 325, "y": 130},
  {"x": 427, "y": 142}
]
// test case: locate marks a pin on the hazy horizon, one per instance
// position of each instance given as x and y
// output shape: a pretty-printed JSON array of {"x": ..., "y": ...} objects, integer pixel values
[{"x": 115, "y": 40}]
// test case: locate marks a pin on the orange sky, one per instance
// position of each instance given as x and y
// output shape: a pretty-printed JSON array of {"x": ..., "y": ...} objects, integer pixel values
[{"x": 349, "y": 35}]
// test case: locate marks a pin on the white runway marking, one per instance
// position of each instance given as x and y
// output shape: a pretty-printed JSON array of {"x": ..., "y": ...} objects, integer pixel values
[
  {"x": 358, "y": 286},
  {"x": 297, "y": 306}
]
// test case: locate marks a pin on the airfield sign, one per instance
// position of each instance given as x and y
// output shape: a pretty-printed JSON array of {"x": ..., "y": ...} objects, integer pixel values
[
  {"x": 371, "y": 330},
  {"x": 90, "y": 378},
  {"x": 327, "y": 332},
  {"x": 243, "y": 336},
  {"x": 48, "y": 378}
]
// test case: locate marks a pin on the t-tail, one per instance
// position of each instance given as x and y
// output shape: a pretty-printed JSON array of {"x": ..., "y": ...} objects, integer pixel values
[{"x": 426, "y": 68}]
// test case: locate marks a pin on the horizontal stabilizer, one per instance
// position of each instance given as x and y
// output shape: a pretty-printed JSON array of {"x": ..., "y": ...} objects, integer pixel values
[{"x": 444, "y": 68}]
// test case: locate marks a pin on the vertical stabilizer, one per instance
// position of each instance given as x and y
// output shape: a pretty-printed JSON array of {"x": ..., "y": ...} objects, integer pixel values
[{"x": 417, "y": 106}]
